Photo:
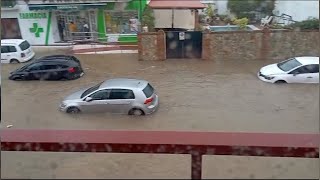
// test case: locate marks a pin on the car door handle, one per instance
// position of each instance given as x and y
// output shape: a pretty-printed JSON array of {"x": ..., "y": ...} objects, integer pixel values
[{"x": 309, "y": 77}]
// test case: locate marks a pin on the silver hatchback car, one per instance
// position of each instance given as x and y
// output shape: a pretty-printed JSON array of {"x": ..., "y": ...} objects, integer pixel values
[{"x": 129, "y": 96}]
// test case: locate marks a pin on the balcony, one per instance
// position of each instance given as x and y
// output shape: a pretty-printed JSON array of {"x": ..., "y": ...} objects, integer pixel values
[{"x": 8, "y": 4}]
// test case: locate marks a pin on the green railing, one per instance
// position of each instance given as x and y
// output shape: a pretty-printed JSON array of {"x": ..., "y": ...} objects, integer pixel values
[{"x": 8, "y": 3}]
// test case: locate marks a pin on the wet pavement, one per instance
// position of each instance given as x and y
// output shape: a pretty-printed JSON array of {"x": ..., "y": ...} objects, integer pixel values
[{"x": 195, "y": 95}]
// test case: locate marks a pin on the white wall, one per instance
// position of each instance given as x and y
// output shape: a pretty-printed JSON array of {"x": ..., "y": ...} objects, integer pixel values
[
  {"x": 299, "y": 10},
  {"x": 26, "y": 24},
  {"x": 183, "y": 18}
]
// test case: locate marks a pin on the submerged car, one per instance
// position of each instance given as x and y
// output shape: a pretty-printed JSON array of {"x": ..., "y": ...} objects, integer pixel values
[
  {"x": 121, "y": 95},
  {"x": 16, "y": 51},
  {"x": 294, "y": 70},
  {"x": 55, "y": 67}
]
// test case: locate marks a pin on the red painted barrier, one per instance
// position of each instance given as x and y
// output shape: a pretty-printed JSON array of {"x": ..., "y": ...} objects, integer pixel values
[{"x": 194, "y": 143}]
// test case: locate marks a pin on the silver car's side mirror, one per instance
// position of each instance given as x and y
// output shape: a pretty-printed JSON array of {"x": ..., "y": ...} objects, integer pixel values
[{"x": 88, "y": 99}]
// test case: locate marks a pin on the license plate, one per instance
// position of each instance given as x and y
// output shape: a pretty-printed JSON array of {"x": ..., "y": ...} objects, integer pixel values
[{"x": 81, "y": 74}]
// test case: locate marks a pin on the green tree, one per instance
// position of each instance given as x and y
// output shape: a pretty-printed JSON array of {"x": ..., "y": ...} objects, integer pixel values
[
  {"x": 148, "y": 18},
  {"x": 209, "y": 11},
  {"x": 244, "y": 8}
]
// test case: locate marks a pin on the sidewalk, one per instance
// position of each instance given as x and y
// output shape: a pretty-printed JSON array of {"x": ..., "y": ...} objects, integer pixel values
[{"x": 90, "y": 49}]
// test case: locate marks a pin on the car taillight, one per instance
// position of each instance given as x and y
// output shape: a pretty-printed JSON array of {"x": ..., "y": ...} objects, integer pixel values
[
  {"x": 149, "y": 100},
  {"x": 23, "y": 55},
  {"x": 72, "y": 70}
]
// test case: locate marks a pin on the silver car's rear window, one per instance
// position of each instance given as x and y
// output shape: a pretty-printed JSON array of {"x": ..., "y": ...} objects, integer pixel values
[{"x": 148, "y": 90}]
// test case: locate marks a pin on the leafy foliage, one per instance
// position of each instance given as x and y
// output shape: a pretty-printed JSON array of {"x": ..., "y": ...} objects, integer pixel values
[
  {"x": 242, "y": 23},
  {"x": 306, "y": 24},
  {"x": 148, "y": 18},
  {"x": 209, "y": 11},
  {"x": 246, "y": 8}
]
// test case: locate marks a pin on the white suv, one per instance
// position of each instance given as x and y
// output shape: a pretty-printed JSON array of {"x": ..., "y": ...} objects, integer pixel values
[{"x": 16, "y": 51}]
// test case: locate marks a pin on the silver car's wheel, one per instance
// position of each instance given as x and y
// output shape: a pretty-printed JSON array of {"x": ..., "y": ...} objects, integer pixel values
[
  {"x": 136, "y": 112},
  {"x": 73, "y": 110}
]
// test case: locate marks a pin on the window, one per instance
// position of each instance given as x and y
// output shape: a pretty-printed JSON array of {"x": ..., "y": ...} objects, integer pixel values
[
  {"x": 313, "y": 68},
  {"x": 12, "y": 49},
  {"x": 24, "y": 45},
  {"x": 101, "y": 95},
  {"x": 121, "y": 94},
  {"x": 90, "y": 90},
  {"x": 34, "y": 67},
  {"x": 8, "y": 49},
  {"x": 148, "y": 90},
  {"x": 300, "y": 70},
  {"x": 10, "y": 28},
  {"x": 125, "y": 22},
  {"x": 4, "y": 49},
  {"x": 289, "y": 64},
  {"x": 50, "y": 67}
]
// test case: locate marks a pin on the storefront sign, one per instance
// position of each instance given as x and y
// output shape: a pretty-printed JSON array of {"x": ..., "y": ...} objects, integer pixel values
[{"x": 33, "y": 15}]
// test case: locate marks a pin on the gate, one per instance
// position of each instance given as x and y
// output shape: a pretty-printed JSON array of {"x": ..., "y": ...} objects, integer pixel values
[{"x": 182, "y": 44}]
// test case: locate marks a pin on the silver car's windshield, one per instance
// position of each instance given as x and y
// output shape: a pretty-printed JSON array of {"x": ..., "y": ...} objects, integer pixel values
[
  {"x": 288, "y": 64},
  {"x": 90, "y": 90}
]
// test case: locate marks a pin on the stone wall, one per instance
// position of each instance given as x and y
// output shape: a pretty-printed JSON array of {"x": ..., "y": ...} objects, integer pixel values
[
  {"x": 152, "y": 46},
  {"x": 256, "y": 45},
  {"x": 239, "y": 45}
]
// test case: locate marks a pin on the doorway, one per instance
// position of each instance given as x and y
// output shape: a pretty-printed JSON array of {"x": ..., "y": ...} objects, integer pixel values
[
  {"x": 79, "y": 18},
  {"x": 10, "y": 28},
  {"x": 183, "y": 44}
]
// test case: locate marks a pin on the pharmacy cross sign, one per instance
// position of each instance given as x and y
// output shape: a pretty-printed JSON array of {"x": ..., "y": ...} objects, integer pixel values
[{"x": 36, "y": 29}]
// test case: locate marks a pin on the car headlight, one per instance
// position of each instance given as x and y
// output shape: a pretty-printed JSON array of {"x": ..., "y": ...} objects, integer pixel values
[{"x": 269, "y": 77}]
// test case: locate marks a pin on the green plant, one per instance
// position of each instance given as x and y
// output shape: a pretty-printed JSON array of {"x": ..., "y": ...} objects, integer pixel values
[
  {"x": 209, "y": 11},
  {"x": 148, "y": 18},
  {"x": 244, "y": 8},
  {"x": 306, "y": 24},
  {"x": 242, "y": 23}
]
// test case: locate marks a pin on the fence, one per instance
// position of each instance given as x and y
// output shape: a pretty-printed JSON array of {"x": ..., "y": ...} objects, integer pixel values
[{"x": 196, "y": 144}]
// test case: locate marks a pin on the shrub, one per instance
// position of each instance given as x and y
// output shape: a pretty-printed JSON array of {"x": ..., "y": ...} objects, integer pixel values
[
  {"x": 242, "y": 23},
  {"x": 306, "y": 24}
]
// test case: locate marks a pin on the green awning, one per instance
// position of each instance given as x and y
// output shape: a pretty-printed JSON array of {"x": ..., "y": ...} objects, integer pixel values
[{"x": 37, "y": 7}]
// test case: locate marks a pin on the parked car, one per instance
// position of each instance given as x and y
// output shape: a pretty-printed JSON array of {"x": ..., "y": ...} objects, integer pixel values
[
  {"x": 125, "y": 96},
  {"x": 294, "y": 70},
  {"x": 56, "y": 67},
  {"x": 16, "y": 51}
]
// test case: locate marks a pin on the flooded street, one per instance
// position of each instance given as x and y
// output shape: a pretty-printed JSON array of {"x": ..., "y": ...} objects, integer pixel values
[{"x": 195, "y": 95}]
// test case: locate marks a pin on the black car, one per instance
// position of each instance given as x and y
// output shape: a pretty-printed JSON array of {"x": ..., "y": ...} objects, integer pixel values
[{"x": 55, "y": 67}]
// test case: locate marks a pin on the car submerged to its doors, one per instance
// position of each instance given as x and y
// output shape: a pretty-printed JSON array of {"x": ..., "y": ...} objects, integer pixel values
[
  {"x": 55, "y": 67},
  {"x": 294, "y": 70},
  {"x": 121, "y": 95}
]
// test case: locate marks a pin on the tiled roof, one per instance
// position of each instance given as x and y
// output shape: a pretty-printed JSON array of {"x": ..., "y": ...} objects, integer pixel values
[{"x": 171, "y": 4}]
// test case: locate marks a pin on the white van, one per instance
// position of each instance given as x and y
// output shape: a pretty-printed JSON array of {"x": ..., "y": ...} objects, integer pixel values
[{"x": 16, "y": 51}]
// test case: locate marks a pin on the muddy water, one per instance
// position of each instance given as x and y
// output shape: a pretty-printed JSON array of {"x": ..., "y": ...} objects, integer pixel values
[{"x": 194, "y": 95}]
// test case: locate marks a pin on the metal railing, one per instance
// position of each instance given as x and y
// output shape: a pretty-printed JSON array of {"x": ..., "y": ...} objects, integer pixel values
[{"x": 195, "y": 144}]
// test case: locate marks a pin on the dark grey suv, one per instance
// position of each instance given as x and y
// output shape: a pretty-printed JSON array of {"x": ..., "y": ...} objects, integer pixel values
[{"x": 55, "y": 67}]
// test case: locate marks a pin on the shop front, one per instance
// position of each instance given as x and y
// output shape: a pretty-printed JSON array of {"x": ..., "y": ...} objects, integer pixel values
[{"x": 106, "y": 21}]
